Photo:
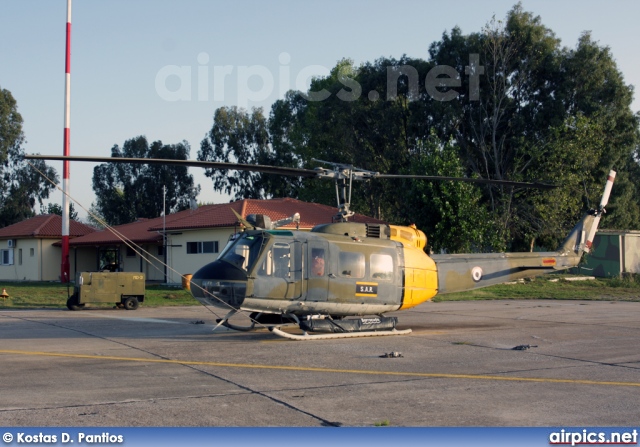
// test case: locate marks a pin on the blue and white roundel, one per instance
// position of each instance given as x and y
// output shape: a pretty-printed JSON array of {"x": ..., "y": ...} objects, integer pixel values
[{"x": 476, "y": 273}]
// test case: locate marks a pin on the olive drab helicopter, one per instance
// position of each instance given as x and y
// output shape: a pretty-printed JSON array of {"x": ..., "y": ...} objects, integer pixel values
[{"x": 339, "y": 279}]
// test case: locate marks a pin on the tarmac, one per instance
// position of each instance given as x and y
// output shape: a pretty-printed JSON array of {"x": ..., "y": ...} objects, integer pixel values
[{"x": 575, "y": 363}]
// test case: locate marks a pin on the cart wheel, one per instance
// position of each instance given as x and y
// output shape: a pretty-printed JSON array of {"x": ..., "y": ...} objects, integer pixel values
[
  {"x": 72, "y": 303},
  {"x": 131, "y": 303}
]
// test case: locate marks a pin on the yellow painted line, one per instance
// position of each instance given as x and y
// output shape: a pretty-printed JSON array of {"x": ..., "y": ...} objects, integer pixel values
[{"x": 328, "y": 370}]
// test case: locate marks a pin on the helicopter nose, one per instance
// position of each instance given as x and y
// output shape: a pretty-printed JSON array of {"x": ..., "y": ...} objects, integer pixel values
[
  {"x": 220, "y": 293},
  {"x": 219, "y": 284}
]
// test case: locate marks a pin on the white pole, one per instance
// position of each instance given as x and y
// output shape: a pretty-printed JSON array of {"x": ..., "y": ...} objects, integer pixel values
[
  {"x": 65, "y": 266},
  {"x": 164, "y": 231}
]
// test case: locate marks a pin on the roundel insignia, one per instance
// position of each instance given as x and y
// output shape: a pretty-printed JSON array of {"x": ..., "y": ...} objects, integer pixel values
[{"x": 476, "y": 273}]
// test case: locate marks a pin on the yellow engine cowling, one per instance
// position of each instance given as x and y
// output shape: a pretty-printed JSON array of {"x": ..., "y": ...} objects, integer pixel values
[
  {"x": 409, "y": 236},
  {"x": 420, "y": 273}
]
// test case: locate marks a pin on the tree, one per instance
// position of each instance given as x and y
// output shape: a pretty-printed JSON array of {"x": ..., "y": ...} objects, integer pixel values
[
  {"x": 54, "y": 208},
  {"x": 94, "y": 218},
  {"x": 506, "y": 103},
  {"x": 239, "y": 136},
  {"x": 451, "y": 213},
  {"x": 21, "y": 185},
  {"x": 126, "y": 192},
  {"x": 537, "y": 100},
  {"x": 236, "y": 137},
  {"x": 377, "y": 131}
]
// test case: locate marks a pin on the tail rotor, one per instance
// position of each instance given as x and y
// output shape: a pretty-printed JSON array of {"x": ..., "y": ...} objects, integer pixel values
[{"x": 600, "y": 211}]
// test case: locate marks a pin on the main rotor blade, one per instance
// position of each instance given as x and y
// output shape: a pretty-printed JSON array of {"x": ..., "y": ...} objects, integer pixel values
[
  {"x": 294, "y": 172},
  {"x": 280, "y": 170},
  {"x": 537, "y": 185}
]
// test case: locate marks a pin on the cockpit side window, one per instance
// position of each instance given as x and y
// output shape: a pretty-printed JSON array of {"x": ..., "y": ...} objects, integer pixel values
[
  {"x": 244, "y": 251},
  {"x": 276, "y": 261}
]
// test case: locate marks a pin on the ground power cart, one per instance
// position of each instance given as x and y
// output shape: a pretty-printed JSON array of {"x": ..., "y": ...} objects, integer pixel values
[{"x": 124, "y": 289}]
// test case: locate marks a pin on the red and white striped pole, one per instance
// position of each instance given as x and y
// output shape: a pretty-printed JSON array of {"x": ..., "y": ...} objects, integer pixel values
[{"x": 65, "y": 266}]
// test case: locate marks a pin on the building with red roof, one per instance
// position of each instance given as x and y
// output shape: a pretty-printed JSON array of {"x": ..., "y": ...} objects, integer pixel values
[
  {"x": 28, "y": 250},
  {"x": 194, "y": 237}
]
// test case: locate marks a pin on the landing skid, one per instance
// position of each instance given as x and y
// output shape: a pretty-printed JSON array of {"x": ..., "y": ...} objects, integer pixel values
[
  {"x": 318, "y": 328},
  {"x": 256, "y": 319},
  {"x": 307, "y": 336}
]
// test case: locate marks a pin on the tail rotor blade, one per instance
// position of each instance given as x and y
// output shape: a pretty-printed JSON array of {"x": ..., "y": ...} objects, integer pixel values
[
  {"x": 600, "y": 210},
  {"x": 607, "y": 189}
]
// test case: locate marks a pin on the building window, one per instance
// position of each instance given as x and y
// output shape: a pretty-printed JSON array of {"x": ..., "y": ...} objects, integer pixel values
[
  {"x": 160, "y": 250},
  {"x": 32, "y": 252},
  {"x": 202, "y": 247},
  {"x": 131, "y": 253},
  {"x": 7, "y": 257},
  {"x": 20, "y": 256}
]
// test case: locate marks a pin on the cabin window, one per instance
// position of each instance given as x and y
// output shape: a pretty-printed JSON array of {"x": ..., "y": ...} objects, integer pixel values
[
  {"x": 317, "y": 262},
  {"x": 277, "y": 261},
  {"x": 381, "y": 267},
  {"x": 351, "y": 264},
  {"x": 202, "y": 247}
]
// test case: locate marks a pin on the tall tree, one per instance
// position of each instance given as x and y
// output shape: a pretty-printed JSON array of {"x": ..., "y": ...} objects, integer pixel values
[
  {"x": 451, "y": 213},
  {"x": 508, "y": 102},
  {"x": 240, "y": 136},
  {"x": 54, "y": 208},
  {"x": 21, "y": 186},
  {"x": 535, "y": 94},
  {"x": 237, "y": 136},
  {"x": 126, "y": 192}
]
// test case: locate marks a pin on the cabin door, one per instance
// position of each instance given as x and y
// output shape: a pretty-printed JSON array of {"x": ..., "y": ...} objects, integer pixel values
[
  {"x": 317, "y": 270},
  {"x": 280, "y": 272}
]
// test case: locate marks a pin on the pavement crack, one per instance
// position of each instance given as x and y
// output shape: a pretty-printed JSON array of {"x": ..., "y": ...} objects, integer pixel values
[
  {"x": 121, "y": 402},
  {"x": 542, "y": 354},
  {"x": 153, "y": 354}
]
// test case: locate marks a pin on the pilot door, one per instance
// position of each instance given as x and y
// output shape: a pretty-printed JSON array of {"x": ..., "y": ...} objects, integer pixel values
[
  {"x": 317, "y": 271},
  {"x": 279, "y": 272}
]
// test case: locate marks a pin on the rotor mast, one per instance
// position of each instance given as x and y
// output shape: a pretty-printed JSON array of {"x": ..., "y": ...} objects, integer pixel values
[{"x": 342, "y": 173}]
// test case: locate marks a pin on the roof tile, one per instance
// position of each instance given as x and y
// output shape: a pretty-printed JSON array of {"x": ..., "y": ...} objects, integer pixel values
[
  {"x": 46, "y": 226},
  {"x": 215, "y": 216},
  {"x": 220, "y": 215}
]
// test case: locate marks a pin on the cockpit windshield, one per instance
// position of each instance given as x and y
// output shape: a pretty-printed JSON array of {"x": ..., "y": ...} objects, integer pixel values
[{"x": 243, "y": 252}]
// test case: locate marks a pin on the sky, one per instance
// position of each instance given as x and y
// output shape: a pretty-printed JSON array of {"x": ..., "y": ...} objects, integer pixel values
[{"x": 160, "y": 68}]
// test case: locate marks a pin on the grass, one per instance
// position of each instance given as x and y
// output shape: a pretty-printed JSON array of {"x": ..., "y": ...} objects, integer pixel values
[{"x": 30, "y": 295}]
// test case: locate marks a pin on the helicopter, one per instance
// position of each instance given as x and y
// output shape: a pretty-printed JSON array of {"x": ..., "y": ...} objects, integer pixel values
[{"x": 339, "y": 279}]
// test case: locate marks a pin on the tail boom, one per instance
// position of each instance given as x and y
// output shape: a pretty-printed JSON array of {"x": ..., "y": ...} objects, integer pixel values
[{"x": 457, "y": 273}]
